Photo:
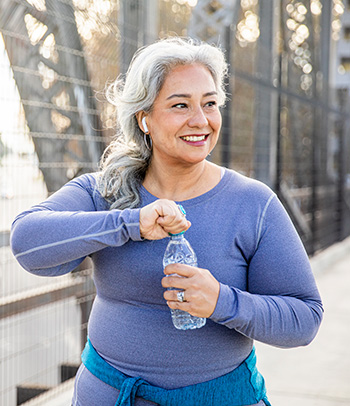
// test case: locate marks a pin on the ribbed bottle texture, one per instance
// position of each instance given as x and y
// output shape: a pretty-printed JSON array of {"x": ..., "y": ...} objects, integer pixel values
[{"x": 179, "y": 251}]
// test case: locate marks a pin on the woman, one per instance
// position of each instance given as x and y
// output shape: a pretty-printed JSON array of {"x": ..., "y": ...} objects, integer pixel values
[{"x": 253, "y": 280}]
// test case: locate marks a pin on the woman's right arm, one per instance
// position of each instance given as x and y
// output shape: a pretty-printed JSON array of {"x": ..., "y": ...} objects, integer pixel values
[{"x": 55, "y": 236}]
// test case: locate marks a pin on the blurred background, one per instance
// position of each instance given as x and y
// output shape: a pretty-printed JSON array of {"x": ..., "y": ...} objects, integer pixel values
[{"x": 287, "y": 123}]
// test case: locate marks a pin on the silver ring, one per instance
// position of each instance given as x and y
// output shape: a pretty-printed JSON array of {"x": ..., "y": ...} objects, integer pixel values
[{"x": 181, "y": 296}]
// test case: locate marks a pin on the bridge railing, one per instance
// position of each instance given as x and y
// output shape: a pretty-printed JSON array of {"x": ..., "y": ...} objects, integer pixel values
[{"x": 282, "y": 124}]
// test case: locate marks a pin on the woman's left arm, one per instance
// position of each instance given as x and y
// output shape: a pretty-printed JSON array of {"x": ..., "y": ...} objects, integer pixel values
[{"x": 282, "y": 305}]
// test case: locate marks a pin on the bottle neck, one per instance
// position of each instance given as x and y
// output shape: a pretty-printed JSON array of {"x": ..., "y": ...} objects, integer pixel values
[{"x": 177, "y": 237}]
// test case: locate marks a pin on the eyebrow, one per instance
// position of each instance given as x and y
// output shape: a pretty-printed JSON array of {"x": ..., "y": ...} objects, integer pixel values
[{"x": 187, "y": 96}]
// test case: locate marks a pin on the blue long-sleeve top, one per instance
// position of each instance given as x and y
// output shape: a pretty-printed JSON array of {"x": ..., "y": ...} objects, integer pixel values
[{"x": 240, "y": 232}]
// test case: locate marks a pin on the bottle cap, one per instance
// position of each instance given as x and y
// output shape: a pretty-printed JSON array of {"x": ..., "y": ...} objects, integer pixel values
[
  {"x": 183, "y": 211},
  {"x": 174, "y": 235}
]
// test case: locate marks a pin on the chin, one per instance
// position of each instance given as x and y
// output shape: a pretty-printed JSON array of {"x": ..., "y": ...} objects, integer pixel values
[{"x": 194, "y": 160}]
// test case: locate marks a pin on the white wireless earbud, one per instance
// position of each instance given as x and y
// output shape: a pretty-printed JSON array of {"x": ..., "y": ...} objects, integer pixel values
[{"x": 144, "y": 125}]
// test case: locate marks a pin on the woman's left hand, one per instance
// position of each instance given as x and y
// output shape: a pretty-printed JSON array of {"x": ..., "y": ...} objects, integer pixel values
[{"x": 201, "y": 289}]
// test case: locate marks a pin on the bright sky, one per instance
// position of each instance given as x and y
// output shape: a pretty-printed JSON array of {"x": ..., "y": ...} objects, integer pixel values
[
  {"x": 12, "y": 126},
  {"x": 20, "y": 183}
]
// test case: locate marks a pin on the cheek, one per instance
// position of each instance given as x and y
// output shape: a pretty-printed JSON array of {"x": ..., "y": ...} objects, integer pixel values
[
  {"x": 219, "y": 120},
  {"x": 216, "y": 122},
  {"x": 169, "y": 124}
]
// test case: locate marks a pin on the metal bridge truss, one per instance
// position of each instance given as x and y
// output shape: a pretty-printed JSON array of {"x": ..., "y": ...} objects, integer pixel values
[{"x": 58, "y": 100}]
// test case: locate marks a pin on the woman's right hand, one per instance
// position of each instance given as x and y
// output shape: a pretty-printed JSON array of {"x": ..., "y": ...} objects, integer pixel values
[{"x": 160, "y": 218}]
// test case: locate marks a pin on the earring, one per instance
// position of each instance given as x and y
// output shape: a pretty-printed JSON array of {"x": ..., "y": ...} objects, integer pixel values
[
  {"x": 148, "y": 144},
  {"x": 144, "y": 125}
]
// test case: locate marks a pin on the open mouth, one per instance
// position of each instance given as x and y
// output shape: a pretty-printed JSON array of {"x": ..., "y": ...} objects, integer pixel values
[{"x": 195, "y": 138}]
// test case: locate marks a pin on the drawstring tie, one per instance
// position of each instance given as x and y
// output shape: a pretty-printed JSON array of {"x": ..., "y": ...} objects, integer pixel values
[{"x": 128, "y": 391}]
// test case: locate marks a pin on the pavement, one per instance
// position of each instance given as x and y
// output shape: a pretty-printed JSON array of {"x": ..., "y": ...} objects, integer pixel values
[{"x": 319, "y": 374}]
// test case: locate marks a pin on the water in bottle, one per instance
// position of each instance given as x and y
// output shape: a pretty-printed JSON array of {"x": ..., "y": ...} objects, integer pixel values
[{"x": 179, "y": 251}]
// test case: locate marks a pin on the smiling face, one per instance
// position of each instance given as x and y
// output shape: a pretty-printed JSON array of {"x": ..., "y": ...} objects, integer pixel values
[{"x": 185, "y": 121}]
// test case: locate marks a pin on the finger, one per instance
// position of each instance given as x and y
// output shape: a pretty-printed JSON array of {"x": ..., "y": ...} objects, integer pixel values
[
  {"x": 172, "y": 295},
  {"x": 169, "y": 214},
  {"x": 175, "y": 282},
  {"x": 185, "y": 306},
  {"x": 174, "y": 226},
  {"x": 161, "y": 217},
  {"x": 160, "y": 233},
  {"x": 161, "y": 208},
  {"x": 181, "y": 270},
  {"x": 166, "y": 208},
  {"x": 172, "y": 218}
]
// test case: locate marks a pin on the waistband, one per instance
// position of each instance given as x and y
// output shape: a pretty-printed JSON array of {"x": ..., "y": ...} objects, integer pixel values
[{"x": 243, "y": 386}]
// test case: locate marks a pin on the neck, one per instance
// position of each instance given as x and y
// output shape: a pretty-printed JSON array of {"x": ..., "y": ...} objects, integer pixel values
[{"x": 181, "y": 183}]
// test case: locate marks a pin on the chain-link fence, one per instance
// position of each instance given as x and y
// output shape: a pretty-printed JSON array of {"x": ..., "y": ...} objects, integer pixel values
[{"x": 283, "y": 124}]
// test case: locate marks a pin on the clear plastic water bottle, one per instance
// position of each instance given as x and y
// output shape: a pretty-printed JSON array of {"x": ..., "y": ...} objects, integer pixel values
[{"x": 179, "y": 251}]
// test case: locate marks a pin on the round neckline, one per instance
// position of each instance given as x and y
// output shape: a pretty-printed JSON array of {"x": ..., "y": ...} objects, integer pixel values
[{"x": 195, "y": 200}]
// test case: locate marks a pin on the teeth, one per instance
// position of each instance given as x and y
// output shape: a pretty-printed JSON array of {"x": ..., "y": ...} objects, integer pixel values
[{"x": 193, "y": 139}]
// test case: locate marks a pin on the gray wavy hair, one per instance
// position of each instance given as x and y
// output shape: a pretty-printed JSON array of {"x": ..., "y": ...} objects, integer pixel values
[{"x": 125, "y": 161}]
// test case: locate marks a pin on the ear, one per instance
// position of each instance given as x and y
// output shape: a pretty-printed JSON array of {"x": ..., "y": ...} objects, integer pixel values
[{"x": 141, "y": 119}]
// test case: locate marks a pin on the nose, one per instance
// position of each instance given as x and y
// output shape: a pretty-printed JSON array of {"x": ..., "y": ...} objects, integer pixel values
[{"x": 198, "y": 118}]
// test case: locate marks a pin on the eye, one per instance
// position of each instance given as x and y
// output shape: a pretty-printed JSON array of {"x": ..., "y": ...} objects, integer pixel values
[
  {"x": 212, "y": 103},
  {"x": 180, "y": 105}
]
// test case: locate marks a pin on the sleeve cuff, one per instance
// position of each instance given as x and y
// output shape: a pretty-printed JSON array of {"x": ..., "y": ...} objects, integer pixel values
[
  {"x": 225, "y": 304},
  {"x": 133, "y": 224}
]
